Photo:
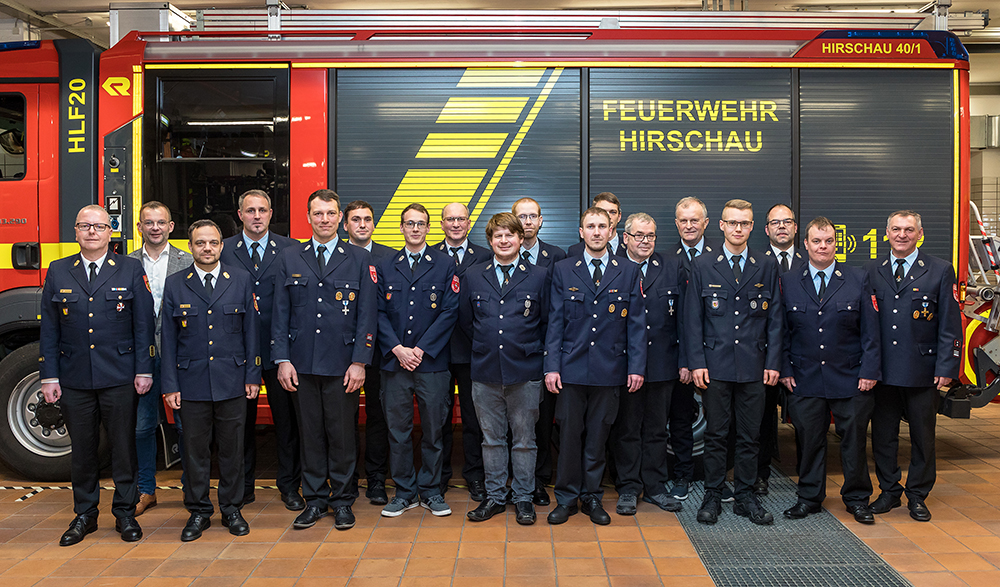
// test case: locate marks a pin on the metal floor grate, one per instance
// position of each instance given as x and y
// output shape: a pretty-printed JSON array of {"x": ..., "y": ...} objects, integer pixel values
[{"x": 815, "y": 551}]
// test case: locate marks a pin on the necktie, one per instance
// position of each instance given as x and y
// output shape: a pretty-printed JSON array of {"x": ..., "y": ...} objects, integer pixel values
[
  {"x": 321, "y": 258},
  {"x": 692, "y": 253},
  {"x": 642, "y": 267},
  {"x": 597, "y": 271},
  {"x": 526, "y": 256},
  {"x": 822, "y": 284},
  {"x": 737, "y": 270},
  {"x": 93, "y": 272},
  {"x": 414, "y": 259},
  {"x": 256, "y": 255},
  {"x": 785, "y": 264},
  {"x": 898, "y": 274},
  {"x": 454, "y": 253},
  {"x": 208, "y": 285},
  {"x": 506, "y": 274}
]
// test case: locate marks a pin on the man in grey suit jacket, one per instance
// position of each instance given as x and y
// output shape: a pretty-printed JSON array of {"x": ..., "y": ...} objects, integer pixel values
[{"x": 159, "y": 259}]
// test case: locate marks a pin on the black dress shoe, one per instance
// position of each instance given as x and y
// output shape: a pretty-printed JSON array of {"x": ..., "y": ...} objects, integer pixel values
[
  {"x": 539, "y": 496},
  {"x": 78, "y": 528},
  {"x": 801, "y": 510},
  {"x": 885, "y": 504},
  {"x": 309, "y": 517},
  {"x": 593, "y": 508},
  {"x": 376, "y": 492},
  {"x": 486, "y": 510},
  {"x": 129, "y": 529},
  {"x": 236, "y": 524},
  {"x": 477, "y": 490},
  {"x": 561, "y": 513},
  {"x": 761, "y": 486},
  {"x": 918, "y": 510},
  {"x": 343, "y": 517},
  {"x": 293, "y": 501},
  {"x": 862, "y": 513},
  {"x": 196, "y": 524},
  {"x": 525, "y": 513}
]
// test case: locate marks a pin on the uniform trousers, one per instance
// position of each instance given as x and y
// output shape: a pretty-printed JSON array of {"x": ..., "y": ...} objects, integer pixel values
[
  {"x": 585, "y": 414},
  {"x": 472, "y": 434},
  {"x": 83, "y": 411},
  {"x": 920, "y": 406},
  {"x": 329, "y": 453},
  {"x": 723, "y": 402},
  {"x": 768, "y": 431},
  {"x": 811, "y": 417},
  {"x": 286, "y": 436},
  {"x": 376, "y": 430},
  {"x": 431, "y": 391},
  {"x": 682, "y": 413},
  {"x": 224, "y": 420},
  {"x": 545, "y": 435},
  {"x": 513, "y": 407},
  {"x": 639, "y": 439}
]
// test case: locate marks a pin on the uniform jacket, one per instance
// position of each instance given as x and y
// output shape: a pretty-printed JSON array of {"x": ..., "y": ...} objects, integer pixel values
[
  {"x": 235, "y": 253},
  {"x": 96, "y": 335},
  {"x": 596, "y": 336},
  {"x": 418, "y": 309},
  {"x": 797, "y": 261},
  {"x": 176, "y": 261},
  {"x": 920, "y": 320},
  {"x": 506, "y": 325},
  {"x": 733, "y": 330},
  {"x": 380, "y": 252},
  {"x": 712, "y": 246},
  {"x": 548, "y": 255},
  {"x": 461, "y": 345},
  {"x": 834, "y": 342},
  {"x": 211, "y": 347},
  {"x": 663, "y": 287},
  {"x": 323, "y": 323}
]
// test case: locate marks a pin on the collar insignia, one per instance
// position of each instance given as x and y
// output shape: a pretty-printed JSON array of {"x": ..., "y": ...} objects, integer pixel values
[
  {"x": 837, "y": 272},
  {"x": 721, "y": 257},
  {"x": 545, "y": 253},
  {"x": 190, "y": 275},
  {"x": 655, "y": 262},
  {"x": 77, "y": 263},
  {"x": 111, "y": 262},
  {"x": 226, "y": 275},
  {"x": 578, "y": 263},
  {"x": 521, "y": 267},
  {"x": 920, "y": 262},
  {"x": 613, "y": 262}
]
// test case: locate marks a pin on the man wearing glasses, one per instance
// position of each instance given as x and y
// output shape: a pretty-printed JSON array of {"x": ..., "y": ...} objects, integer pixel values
[
  {"x": 609, "y": 203},
  {"x": 417, "y": 310},
  {"x": 455, "y": 224},
  {"x": 96, "y": 354},
  {"x": 639, "y": 437},
  {"x": 781, "y": 229},
  {"x": 538, "y": 252},
  {"x": 159, "y": 259},
  {"x": 733, "y": 331}
]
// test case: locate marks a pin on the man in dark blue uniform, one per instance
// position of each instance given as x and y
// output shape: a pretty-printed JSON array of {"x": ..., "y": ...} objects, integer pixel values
[
  {"x": 639, "y": 437},
  {"x": 96, "y": 355},
  {"x": 595, "y": 348},
  {"x": 211, "y": 365},
  {"x": 733, "y": 332},
  {"x": 537, "y": 252},
  {"x": 359, "y": 223},
  {"x": 691, "y": 219},
  {"x": 504, "y": 311},
  {"x": 256, "y": 249},
  {"x": 781, "y": 229},
  {"x": 455, "y": 223},
  {"x": 832, "y": 361},
  {"x": 322, "y": 336},
  {"x": 609, "y": 203},
  {"x": 417, "y": 309},
  {"x": 921, "y": 354}
]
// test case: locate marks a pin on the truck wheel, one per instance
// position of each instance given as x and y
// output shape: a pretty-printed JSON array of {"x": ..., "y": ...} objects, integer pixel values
[{"x": 34, "y": 441}]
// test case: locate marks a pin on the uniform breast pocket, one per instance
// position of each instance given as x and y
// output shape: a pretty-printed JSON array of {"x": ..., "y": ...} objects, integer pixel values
[
  {"x": 233, "y": 314},
  {"x": 119, "y": 305},
  {"x": 924, "y": 306},
  {"x": 347, "y": 295},
  {"x": 432, "y": 295},
  {"x": 618, "y": 305},
  {"x": 714, "y": 301},
  {"x": 184, "y": 318},
  {"x": 480, "y": 304},
  {"x": 526, "y": 303},
  {"x": 795, "y": 313},
  {"x": 297, "y": 290},
  {"x": 573, "y": 306},
  {"x": 759, "y": 303},
  {"x": 669, "y": 298},
  {"x": 69, "y": 306}
]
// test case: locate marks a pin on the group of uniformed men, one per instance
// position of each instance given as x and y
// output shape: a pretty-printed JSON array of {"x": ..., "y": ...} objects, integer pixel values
[{"x": 601, "y": 349}]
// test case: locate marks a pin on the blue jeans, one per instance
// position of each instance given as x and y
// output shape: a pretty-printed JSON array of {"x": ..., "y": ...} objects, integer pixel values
[
  {"x": 147, "y": 419},
  {"x": 500, "y": 406}
]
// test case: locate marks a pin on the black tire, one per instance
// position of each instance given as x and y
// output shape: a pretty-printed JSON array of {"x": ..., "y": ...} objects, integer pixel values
[{"x": 35, "y": 445}]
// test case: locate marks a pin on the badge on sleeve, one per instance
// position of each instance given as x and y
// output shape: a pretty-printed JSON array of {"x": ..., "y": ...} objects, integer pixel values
[
  {"x": 454, "y": 284},
  {"x": 373, "y": 273},
  {"x": 954, "y": 291},
  {"x": 874, "y": 303}
]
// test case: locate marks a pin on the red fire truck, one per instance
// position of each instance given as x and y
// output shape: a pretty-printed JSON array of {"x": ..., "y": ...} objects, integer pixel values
[{"x": 844, "y": 117}]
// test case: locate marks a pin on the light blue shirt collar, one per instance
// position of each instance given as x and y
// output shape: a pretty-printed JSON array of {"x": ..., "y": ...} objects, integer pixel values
[
  {"x": 330, "y": 246},
  {"x": 827, "y": 273},
  {"x": 248, "y": 243},
  {"x": 614, "y": 242},
  {"x": 587, "y": 257},
  {"x": 533, "y": 251},
  {"x": 499, "y": 271},
  {"x": 409, "y": 259},
  {"x": 729, "y": 256},
  {"x": 700, "y": 247},
  {"x": 909, "y": 261}
]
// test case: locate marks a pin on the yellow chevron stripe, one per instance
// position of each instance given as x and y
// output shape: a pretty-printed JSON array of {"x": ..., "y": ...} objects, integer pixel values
[
  {"x": 482, "y": 110},
  {"x": 435, "y": 189},
  {"x": 475, "y": 77},
  {"x": 441, "y": 145}
]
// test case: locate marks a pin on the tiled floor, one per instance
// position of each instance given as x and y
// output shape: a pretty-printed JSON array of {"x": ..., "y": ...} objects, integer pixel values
[{"x": 960, "y": 546}]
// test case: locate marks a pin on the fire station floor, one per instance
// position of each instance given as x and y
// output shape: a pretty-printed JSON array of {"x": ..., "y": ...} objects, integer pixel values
[{"x": 960, "y": 546}]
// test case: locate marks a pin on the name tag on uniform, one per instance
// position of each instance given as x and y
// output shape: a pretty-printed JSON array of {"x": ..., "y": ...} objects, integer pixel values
[{"x": 185, "y": 306}]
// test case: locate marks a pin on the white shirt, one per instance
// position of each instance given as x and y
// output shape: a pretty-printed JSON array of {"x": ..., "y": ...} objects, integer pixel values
[
  {"x": 87, "y": 262},
  {"x": 214, "y": 272},
  {"x": 156, "y": 272}
]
